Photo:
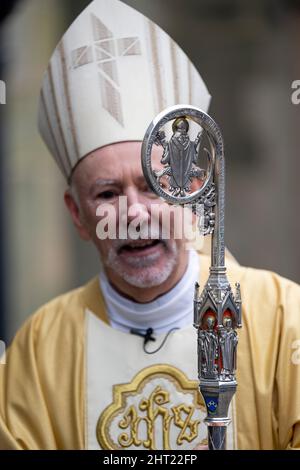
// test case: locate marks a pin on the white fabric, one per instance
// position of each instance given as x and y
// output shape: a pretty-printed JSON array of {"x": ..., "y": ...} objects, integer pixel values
[
  {"x": 112, "y": 73},
  {"x": 172, "y": 310},
  {"x": 115, "y": 358}
]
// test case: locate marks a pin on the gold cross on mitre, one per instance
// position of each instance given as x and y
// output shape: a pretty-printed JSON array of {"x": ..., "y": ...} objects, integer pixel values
[{"x": 105, "y": 51}]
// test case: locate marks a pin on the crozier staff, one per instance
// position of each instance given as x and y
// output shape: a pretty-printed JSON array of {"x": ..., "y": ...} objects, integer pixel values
[{"x": 76, "y": 377}]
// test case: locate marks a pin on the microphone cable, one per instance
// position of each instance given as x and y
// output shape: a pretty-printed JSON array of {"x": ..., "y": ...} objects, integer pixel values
[{"x": 148, "y": 337}]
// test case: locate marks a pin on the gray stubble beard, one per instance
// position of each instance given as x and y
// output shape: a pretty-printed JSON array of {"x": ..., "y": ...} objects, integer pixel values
[{"x": 146, "y": 274}]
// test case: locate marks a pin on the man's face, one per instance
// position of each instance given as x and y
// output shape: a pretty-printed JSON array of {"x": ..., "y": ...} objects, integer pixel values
[
  {"x": 100, "y": 180},
  {"x": 181, "y": 126}
]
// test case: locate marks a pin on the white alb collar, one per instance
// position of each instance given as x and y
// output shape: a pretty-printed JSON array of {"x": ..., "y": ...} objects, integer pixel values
[{"x": 172, "y": 310}]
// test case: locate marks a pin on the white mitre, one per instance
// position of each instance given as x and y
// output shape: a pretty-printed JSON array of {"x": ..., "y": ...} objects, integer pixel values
[{"x": 113, "y": 71}]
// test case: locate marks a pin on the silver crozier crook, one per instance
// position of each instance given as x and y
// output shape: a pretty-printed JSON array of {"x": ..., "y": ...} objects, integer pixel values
[{"x": 217, "y": 312}]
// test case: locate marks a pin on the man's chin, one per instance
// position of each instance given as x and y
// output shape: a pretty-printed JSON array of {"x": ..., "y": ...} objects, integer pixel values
[
  {"x": 143, "y": 266},
  {"x": 145, "y": 271},
  {"x": 147, "y": 277}
]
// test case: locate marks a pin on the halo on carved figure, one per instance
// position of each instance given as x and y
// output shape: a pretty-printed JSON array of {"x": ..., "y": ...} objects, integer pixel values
[{"x": 180, "y": 157}]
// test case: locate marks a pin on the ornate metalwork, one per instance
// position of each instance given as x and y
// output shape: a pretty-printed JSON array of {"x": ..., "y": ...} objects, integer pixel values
[
  {"x": 208, "y": 349},
  {"x": 204, "y": 208},
  {"x": 217, "y": 311},
  {"x": 180, "y": 158}
]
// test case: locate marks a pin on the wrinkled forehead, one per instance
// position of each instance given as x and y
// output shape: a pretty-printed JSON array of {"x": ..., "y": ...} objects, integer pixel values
[{"x": 118, "y": 162}]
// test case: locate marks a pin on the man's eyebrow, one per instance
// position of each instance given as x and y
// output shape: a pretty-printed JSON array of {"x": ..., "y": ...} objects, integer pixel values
[{"x": 99, "y": 183}]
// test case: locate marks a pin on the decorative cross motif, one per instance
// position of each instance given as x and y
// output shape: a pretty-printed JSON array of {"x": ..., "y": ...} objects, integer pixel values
[{"x": 105, "y": 52}]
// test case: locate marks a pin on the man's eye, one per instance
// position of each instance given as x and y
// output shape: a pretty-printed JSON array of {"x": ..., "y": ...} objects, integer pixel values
[
  {"x": 147, "y": 189},
  {"x": 107, "y": 195}
]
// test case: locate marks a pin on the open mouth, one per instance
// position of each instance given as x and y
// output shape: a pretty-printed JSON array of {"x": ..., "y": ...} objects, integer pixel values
[{"x": 140, "y": 247}]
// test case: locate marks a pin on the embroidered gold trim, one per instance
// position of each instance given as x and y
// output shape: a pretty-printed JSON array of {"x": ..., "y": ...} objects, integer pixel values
[{"x": 153, "y": 406}]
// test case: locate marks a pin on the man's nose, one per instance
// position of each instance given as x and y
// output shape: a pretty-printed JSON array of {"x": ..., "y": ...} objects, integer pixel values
[{"x": 136, "y": 207}]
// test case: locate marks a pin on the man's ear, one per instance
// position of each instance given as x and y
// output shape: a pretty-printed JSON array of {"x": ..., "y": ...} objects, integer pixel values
[{"x": 75, "y": 214}]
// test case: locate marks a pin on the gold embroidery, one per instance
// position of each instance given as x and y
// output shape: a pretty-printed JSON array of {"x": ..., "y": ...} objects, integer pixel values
[
  {"x": 105, "y": 51},
  {"x": 129, "y": 46},
  {"x": 130, "y": 419},
  {"x": 156, "y": 66},
  {"x": 82, "y": 56},
  {"x": 140, "y": 419},
  {"x": 108, "y": 48},
  {"x": 100, "y": 30},
  {"x": 187, "y": 424},
  {"x": 59, "y": 160},
  {"x": 158, "y": 397},
  {"x": 67, "y": 94},
  {"x": 58, "y": 118},
  {"x": 110, "y": 69},
  {"x": 175, "y": 72},
  {"x": 111, "y": 99}
]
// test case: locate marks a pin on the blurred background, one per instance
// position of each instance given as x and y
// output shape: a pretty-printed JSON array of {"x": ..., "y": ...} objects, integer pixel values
[{"x": 248, "y": 54}]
